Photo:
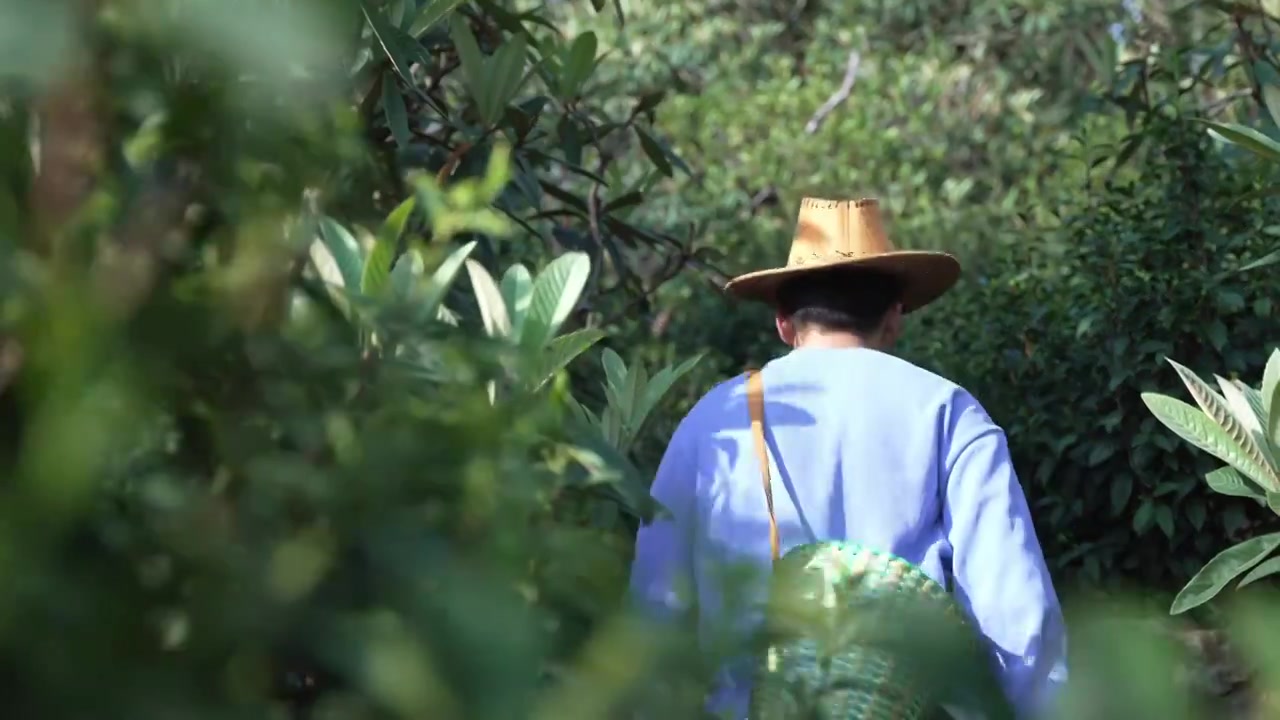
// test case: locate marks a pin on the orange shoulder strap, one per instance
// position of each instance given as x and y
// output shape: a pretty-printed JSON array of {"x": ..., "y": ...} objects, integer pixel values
[{"x": 755, "y": 402}]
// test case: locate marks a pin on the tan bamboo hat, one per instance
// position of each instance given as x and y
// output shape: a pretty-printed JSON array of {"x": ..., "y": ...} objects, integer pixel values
[{"x": 850, "y": 233}]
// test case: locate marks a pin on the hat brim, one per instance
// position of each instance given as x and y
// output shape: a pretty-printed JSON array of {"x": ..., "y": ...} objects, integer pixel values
[{"x": 926, "y": 276}]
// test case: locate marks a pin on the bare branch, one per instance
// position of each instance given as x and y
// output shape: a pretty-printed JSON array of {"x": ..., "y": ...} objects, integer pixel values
[{"x": 839, "y": 96}]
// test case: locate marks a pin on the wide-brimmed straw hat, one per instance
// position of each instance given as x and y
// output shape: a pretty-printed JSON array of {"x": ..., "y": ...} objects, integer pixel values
[{"x": 850, "y": 234}]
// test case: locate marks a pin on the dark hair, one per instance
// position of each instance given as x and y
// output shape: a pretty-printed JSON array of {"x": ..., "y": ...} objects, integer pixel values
[{"x": 847, "y": 299}]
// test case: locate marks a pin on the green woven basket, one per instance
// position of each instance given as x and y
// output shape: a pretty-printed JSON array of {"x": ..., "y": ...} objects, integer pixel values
[{"x": 846, "y": 636}]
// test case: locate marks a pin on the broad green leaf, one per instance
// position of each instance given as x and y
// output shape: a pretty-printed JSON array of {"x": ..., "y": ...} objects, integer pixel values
[
  {"x": 1242, "y": 410},
  {"x": 493, "y": 310},
  {"x": 1220, "y": 411},
  {"x": 505, "y": 75},
  {"x": 442, "y": 279},
  {"x": 431, "y": 14},
  {"x": 1271, "y": 396},
  {"x": 404, "y": 276},
  {"x": 578, "y": 62},
  {"x": 377, "y": 268},
  {"x": 563, "y": 350},
  {"x": 1222, "y": 569},
  {"x": 345, "y": 251},
  {"x": 1266, "y": 569},
  {"x": 615, "y": 370},
  {"x": 1256, "y": 404},
  {"x": 1271, "y": 97},
  {"x": 388, "y": 40},
  {"x": 629, "y": 409},
  {"x": 397, "y": 115},
  {"x": 1247, "y": 138},
  {"x": 1198, "y": 429},
  {"x": 517, "y": 292},
  {"x": 1229, "y": 482},
  {"x": 660, "y": 384},
  {"x": 555, "y": 294},
  {"x": 473, "y": 62}
]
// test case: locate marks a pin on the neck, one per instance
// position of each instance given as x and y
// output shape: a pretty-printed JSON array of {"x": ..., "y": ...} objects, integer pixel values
[{"x": 826, "y": 339}]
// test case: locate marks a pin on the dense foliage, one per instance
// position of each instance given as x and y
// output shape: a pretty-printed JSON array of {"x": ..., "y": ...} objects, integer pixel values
[{"x": 338, "y": 339}]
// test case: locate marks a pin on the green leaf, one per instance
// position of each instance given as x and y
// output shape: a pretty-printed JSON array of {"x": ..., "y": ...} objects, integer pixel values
[
  {"x": 1164, "y": 518},
  {"x": 404, "y": 275},
  {"x": 657, "y": 388},
  {"x": 474, "y": 69},
  {"x": 1222, "y": 569},
  {"x": 654, "y": 151},
  {"x": 1196, "y": 428},
  {"x": 1121, "y": 491},
  {"x": 345, "y": 250},
  {"x": 1271, "y": 97},
  {"x": 1143, "y": 517},
  {"x": 442, "y": 279},
  {"x": 1197, "y": 513},
  {"x": 563, "y": 350},
  {"x": 1271, "y": 397},
  {"x": 493, "y": 309},
  {"x": 615, "y": 370},
  {"x": 505, "y": 76},
  {"x": 1267, "y": 260},
  {"x": 389, "y": 41},
  {"x": 377, "y": 268},
  {"x": 430, "y": 15},
  {"x": 1266, "y": 569},
  {"x": 1229, "y": 482},
  {"x": 517, "y": 292},
  {"x": 397, "y": 115},
  {"x": 1247, "y": 138},
  {"x": 555, "y": 294},
  {"x": 578, "y": 63}
]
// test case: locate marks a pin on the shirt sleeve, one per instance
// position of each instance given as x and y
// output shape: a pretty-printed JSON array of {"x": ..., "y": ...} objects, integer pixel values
[
  {"x": 998, "y": 566},
  {"x": 662, "y": 584}
]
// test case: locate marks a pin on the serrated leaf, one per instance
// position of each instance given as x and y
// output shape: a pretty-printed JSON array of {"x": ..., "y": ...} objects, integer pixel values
[
  {"x": 394, "y": 108},
  {"x": 563, "y": 350},
  {"x": 493, "y": 309},
  {"x": 1266, "y": 569},
  {"x": 1242, "y": 409},
  {"x": 1247, "y": 138},
  {"x": 1222, "y": 569},
  {"x": 1198, "y": 429},
  {"x": 1227, "y": 481},
  {"x": 555, "y": 294},
  {"x": 342, "y": 245},
  {"x": 1216, "y": 408},
  {"x": 430, "y": 15},
  {"x": 442, "y": 279}
]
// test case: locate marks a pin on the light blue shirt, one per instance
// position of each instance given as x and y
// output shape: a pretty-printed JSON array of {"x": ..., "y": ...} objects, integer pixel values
[{"x": 863, "y": 447}]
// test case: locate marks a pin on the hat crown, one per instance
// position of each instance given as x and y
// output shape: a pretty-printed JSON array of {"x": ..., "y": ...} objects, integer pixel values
[{"x": 829, "y": 230}]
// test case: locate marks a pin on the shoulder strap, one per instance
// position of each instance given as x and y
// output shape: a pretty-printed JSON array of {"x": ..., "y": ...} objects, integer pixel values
[{"x": 755, "y": 402}]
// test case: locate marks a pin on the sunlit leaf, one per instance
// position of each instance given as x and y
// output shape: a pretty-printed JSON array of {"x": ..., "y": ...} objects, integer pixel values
[
  {"x": 442, "y": 279},
  {"x": 1229, "y": 482},
  {"x": 493, "y": 309},
  {"x": 1222, "y": 569},
  {"x": 556, "y": 291},
  {"x": 1247, "y": 138},
  {"x": 562, "y": 350},
  {"x": 517, "y": 292},
  {"x": 377, "y": 267}
]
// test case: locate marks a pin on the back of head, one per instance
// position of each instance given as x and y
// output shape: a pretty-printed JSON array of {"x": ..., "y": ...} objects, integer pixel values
[{"x": 842, "y": 299}]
